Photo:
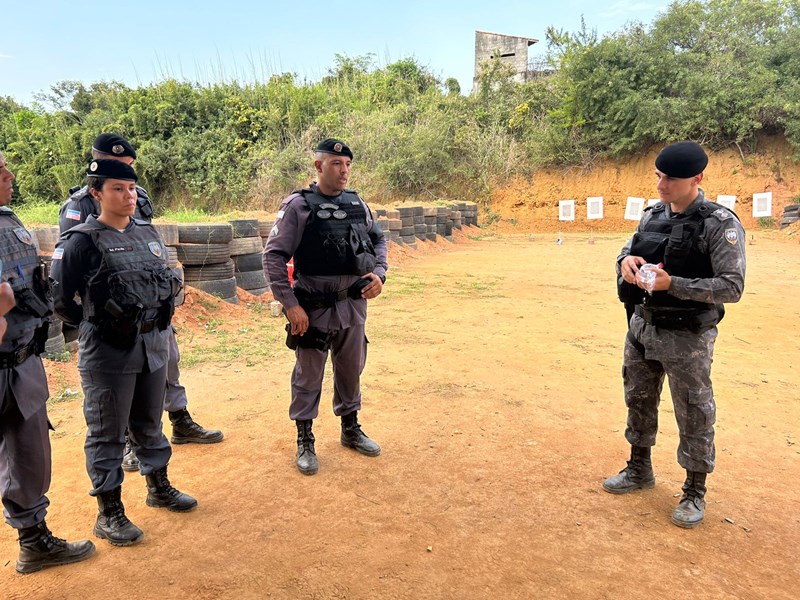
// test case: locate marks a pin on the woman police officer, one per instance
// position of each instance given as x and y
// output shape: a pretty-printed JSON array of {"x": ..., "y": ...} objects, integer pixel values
[{"x": 116, "y": 265}]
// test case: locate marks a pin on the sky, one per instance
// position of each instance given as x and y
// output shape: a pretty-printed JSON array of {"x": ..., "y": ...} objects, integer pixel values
[{"x": 45, "y": 42}]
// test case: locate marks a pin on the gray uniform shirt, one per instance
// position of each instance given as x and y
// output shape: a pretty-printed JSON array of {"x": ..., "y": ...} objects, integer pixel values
[
  {"x": 723, "y": 239},
  {"x": 285, "y": 237}
]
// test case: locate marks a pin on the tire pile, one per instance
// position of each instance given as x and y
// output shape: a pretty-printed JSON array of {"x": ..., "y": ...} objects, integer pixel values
[
  {"x": 246, "y": 248},
  {"x": 791, "y": 214},
  {"x": 407, "y": 224},
  {"x": 204, "y": 249},
  {"x": 46, "y": 239}
]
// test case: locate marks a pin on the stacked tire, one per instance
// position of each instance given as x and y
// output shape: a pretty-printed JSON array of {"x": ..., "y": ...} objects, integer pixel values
[
  {"x": 791, "y": 214},
  {"x": 205, "y": 253},
  {"x": 170, "y": 236},
  {"x": 46, "y": 238},
  {"x": 55, "y": 344},
  {"x": 246, "y": 248},
  {"x": 394, "y": 226},
  {"x": 407, "y": 226}
]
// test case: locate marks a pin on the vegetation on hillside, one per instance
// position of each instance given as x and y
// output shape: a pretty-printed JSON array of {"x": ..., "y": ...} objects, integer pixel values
[{"x": 716, "y": 71}]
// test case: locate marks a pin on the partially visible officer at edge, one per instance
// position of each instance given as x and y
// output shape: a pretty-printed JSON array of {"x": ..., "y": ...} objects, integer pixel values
[
  {"x": 672, "y": 331},
  {"x": 76, "y": 210},
  {"x": 339, "y": 263},
  {"x": 25, "y": 462},
  {"x": 117, "y": 266}
]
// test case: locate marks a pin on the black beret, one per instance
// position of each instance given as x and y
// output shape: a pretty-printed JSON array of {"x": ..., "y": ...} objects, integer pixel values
[
  {"x": 682, "y": 160},
  {"x": 113, "y": 145},
  {"x": 111, "y": 169},
  {"x": 333, "y": 146}
]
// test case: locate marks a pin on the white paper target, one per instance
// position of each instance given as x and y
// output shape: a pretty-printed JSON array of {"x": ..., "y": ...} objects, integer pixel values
[
  {"x": 566, "y": 210},
  {"x": 634, "y": 208},
  {"x": 727, "y": 201},
  {"x": 594, "y": 207},
  {"x": 762, "y": 204}
]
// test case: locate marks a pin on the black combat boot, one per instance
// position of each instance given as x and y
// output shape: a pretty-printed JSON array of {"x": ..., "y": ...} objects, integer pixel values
[
  {"x": 638, "y": 475},
  {"x": 161, "y": 494},
  {"x": 186, "y": 431},
  {"x": 691, "y": 509},
  {"x": 38, "y": 548},
  {"x": 353, "y": 437},
  {"x": 129, "y": 460},
  {"x": 306, "y": 457},
  {"x": 112, "y": 524}
]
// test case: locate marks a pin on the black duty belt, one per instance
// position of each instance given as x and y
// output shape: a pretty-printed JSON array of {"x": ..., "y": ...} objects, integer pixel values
[
  {"x": 668, "y": 319},
  {"x": 9, "y": 360},
  {"x": 311, "y": 301}
]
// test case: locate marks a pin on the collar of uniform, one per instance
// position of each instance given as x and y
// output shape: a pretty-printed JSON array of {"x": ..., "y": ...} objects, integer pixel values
[
  {"x": 6, "y": 210},
  {"x": 316, "y": 190},
  {"x": 691, "y": 209}
]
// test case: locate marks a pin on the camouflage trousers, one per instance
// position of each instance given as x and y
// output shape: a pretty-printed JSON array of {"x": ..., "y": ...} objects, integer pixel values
[{"x": 685, "y": 358}]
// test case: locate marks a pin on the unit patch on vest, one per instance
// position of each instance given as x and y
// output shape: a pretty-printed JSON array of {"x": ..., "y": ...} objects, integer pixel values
[
  {"x": 324, "y": 214},
  {"x": 23, "y": 236},
  {"x": 155, "y": 248},
  {"x": 731, "y": 236},
  {"x": 58, "y": 253},
  {"x": 330, "y": 206},
  {"x": 73, "y": 214},
  {"x": 339, "y": 214}
]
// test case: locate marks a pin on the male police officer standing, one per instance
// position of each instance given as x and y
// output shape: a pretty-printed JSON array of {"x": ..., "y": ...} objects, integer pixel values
[
  {"x": 76, "y": 210},
  {"x": 339, "y": 263},
  {"x": 24, "y": 436},
  {"x": 672, "y": 332}
]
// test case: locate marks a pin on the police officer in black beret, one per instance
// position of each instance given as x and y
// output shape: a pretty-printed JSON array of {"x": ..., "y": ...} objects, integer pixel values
[
  {"x": 76, "y": 210},
  {"x": 339, "y": 263},
  {"x": 117, "y": 265},
  {"x": 24, "y": 434},
  {"x": 696, "y": 249}
]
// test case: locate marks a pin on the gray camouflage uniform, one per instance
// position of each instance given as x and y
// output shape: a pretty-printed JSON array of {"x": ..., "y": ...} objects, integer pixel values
[{"x": 684, "y": 356}]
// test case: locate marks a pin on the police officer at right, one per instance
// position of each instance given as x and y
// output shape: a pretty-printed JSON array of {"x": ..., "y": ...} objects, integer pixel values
[
  {"x": 117, "y": 266},
  {"x": 700, "y": 246}
]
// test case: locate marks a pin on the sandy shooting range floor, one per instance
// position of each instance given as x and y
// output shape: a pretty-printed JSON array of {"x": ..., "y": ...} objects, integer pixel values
[{"x": 493, "y": 385}]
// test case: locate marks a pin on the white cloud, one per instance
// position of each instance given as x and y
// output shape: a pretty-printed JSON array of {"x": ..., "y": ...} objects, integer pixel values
[
  {"x": 628, "y": 6},
  {"x": 2, "y": 56}
]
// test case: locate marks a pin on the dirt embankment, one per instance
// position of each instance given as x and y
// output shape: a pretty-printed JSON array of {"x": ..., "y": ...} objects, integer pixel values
[{"x": 525, "y": 205}]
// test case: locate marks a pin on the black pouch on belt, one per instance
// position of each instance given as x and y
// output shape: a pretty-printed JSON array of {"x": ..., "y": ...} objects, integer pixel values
[{"x": 354, "y": 291}]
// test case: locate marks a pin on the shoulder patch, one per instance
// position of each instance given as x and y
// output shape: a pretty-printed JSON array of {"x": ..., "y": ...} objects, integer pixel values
[
  {"x": 73, "y": 214},
  {"x": 58, "y": 253},
  {"x": 732, "y": 236}
]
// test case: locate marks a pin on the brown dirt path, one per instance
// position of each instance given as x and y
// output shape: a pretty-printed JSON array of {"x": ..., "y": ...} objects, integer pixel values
[{"x": 493, "y": 385}]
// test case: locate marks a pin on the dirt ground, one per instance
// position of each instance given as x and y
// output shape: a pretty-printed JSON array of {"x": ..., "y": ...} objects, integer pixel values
[{"x": 493, "y": 385}]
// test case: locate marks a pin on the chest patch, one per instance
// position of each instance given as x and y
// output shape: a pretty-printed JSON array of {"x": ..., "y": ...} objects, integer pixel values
[
  {"x": 23, "y": 236},
  {"x": 116, "y": 249},
  {"x": 155, "y": 248}
]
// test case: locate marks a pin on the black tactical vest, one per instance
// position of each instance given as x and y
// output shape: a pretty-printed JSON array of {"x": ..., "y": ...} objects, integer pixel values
[
  {"x": 27, "y": 275},
  {"x": 673, "y": 242},
  {"x": 336, "y": 240},
  {"x": 133, "y": 290}
]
